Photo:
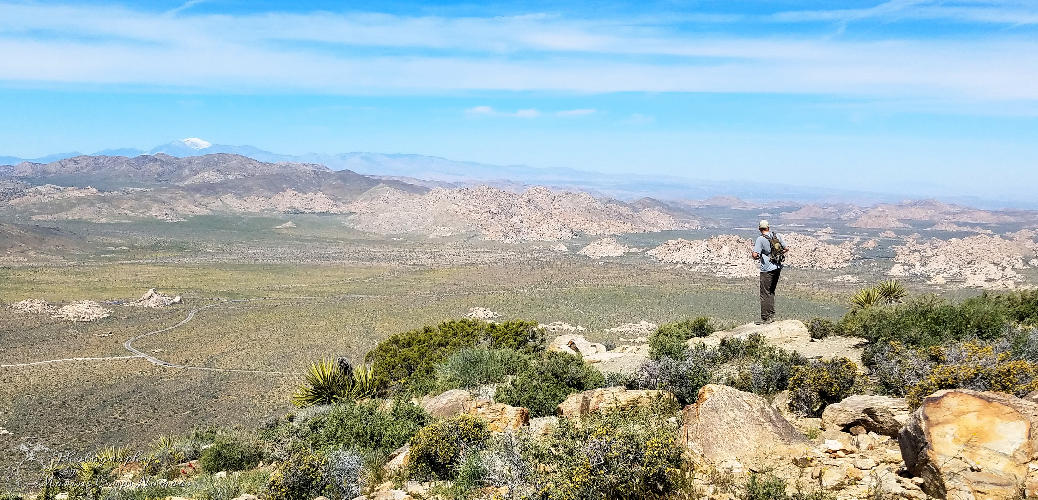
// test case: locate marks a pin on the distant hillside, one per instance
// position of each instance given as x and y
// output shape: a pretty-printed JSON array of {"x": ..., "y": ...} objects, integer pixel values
[
  {"x": 436, "y": 171},
  {"x": 116, "y": 189}
]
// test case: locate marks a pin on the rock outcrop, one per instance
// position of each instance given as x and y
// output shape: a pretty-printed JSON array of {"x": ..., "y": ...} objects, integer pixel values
[
  {"x": 575, "y": 344},
  {"x": 977, "y": 261},
  {"x": 792, "y": 335},
  {"x": 447, "y": 404},
  {"x": 880, "y": 414},
  {"x": 973, "y": 445},
  {"x": 605, "y": 247},
  {"x": 498, "y": 416},
  {"x": 537, "y": 214},
  {"x": 727, "y": 424},
  {"x": 596, "y": 400},
  {"x": 626, "y": 359},
  {"x": 154, "y": 299},
  {"x": 85, "y": 310}
]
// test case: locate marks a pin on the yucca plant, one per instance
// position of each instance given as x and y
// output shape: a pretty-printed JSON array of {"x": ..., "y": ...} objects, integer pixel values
[
  {"x": 112, "y": 455},
  {"x": 866, "y": 298},
  {"x": 329, "y": 381},
  {"x": 891, "y": 291}
]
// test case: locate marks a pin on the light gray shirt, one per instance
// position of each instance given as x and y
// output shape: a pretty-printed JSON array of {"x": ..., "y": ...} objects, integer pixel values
[{"x": 762, "y": 247}]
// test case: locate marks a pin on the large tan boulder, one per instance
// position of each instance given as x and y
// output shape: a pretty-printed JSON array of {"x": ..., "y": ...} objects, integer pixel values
[
  {"x": 596, "y": 400},
  {"x": 880, "y": 414},
  {"x": 447, "y": 404},
  {"x": 626, "y": 363},
  {"x": 727, "y": 424},
  {"x": 499, "y": 416},
  {"x": 972, "y": 445}
]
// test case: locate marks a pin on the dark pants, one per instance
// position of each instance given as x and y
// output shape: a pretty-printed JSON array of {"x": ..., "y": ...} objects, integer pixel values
[{"x": 768, "y": 282}]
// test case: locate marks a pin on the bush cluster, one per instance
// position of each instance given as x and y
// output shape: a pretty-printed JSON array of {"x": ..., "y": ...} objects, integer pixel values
[
  {"x": 371, "y": 427},
  {"x": 618, "y": 454},
  {"x": 669, "y": 339},
  {"x": 406, "y": 360},
  {"x": 231, "y": 452},
  {"x": 475, "y": 366},
  {"x": 547, "y": 381},
  {"x": 818, "y": 384},
  {"x": 299, "y": 476},
  {"x": 437, "y": 449},
  {"x": 928, "y": 321},
  {"x": 915, "y": 373},
  {"x": 748, "y": 365},
  {"x": 820, "y": 328}
]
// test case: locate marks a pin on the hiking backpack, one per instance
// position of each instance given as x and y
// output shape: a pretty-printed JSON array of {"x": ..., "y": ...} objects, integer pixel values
[{"x": 778, "y": 252}]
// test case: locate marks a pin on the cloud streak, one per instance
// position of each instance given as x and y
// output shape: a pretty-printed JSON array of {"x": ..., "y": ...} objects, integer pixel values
[{"x": 346, "y": 54}]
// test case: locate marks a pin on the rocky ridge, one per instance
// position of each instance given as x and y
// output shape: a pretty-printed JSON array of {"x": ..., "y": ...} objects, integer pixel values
[
  {"x": 538, "y": 213},
  {"x": 729, "y": 255},
  {"x": 979, "y": 261}
]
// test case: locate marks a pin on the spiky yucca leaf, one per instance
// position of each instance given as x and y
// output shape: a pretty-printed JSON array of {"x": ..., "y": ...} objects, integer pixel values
[
  {"x": 865, "y": 298},
  {"x": 112, "y": 455},
  {"x": 891, "y": 291},
  {"x": 326, "y": 382}
]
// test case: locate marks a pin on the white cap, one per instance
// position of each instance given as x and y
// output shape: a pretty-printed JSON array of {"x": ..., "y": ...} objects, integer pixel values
[{"x": 763, "y": 224}]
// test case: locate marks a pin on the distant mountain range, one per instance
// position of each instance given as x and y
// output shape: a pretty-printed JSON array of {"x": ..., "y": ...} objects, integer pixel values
[{"x": 432, "y": 170}]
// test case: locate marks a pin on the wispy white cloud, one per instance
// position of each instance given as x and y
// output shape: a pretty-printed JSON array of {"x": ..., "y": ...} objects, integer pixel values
[
  {"x": 576, "y": 112},
  {"x": 1006, "y": 12},
  {"x": 184, "y": 6},
  {"x": 526, "y": 113},
  {"x": 490, "y": 111},
  {"x": 327, "y": 52}
]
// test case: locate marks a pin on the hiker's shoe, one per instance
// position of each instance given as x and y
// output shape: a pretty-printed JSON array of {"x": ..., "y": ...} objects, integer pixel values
[{"x": 764, "y": 321}]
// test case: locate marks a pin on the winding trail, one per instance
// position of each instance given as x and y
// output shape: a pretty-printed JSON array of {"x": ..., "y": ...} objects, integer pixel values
[{"x": 137, "y": 353}]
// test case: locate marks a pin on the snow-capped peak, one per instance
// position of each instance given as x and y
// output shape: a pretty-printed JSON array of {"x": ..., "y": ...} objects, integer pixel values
[{"x": 196, "y": 143}]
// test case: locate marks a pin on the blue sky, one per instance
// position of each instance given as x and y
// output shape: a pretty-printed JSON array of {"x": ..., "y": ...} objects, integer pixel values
[{"x": 912, "y": 96}]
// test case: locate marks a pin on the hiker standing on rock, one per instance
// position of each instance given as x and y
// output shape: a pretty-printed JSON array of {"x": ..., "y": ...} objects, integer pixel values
[{"x": 770, "y": 249}]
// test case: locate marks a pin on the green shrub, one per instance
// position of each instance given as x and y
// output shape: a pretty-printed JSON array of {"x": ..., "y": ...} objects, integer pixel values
[
  {"x": 764, "y": 487},
  {"x": 927, "y": 321},
  {"x": 473, "y": 367},
  {"x": 983, "y": 366},
  {"x": 895, "y": 367},
  {"x": 231, "y": 452},
  {"x": 821, "y": 328},
  {"x": 681, "y": 377},
  {"x": 748, "y": 365},
  {"x": 436, "y": 449},
  {"x": 669, "y": 339},
  {"x": 329, "y": 381},
  {"x": 368, "y": 426},
  {"x": 299, "y": 477},
  {"x": 627, "y": 453},
  {"x": 814, "y": 386},
  {"x": 1021, "y": 307},
  {"x": 407, "y": 359},
  {"x": 208, "y": 487},
  {"x": 147, "y": 489},
  {"x": 547, "y": 381}
]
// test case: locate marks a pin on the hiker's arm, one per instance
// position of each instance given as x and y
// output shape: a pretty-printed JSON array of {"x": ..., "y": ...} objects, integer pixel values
[{"x": 757, "y": 249}]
